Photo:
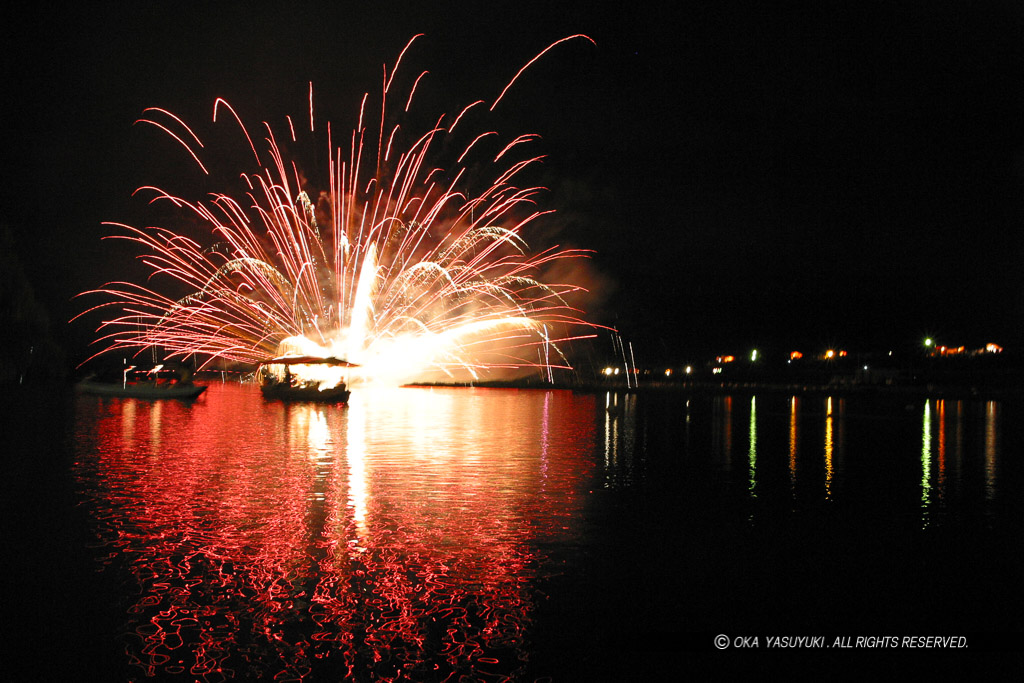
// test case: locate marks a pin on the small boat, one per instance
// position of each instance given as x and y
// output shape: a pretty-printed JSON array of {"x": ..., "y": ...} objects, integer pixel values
[
  {"x": 167, "y": 380},
  {"x": 279, "y": 382}
]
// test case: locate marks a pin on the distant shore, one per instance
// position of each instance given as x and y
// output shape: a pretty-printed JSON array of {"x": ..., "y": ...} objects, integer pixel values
[{"x": 910, "y": 391}]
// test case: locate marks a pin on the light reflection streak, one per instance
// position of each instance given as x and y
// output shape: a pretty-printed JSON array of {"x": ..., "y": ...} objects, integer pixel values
[
  {"x": 722, "y": 437},
  {"x": 991, "y": 447},
  {"x": 356, "y": 456},
  {"x": 128, "y": 423},
  {"x": 829, "y": 448},
  {"x": 926, "y": 463},
  {"x": 794, "y": 442},
  {"x": 946, "y": 443},
  {"x": 610, "y": 432},
  {"x": 319, "y": 433},
  {"x": 752, "y": 453},
  {"x": 619, "y": 438},
  {"x": 155, "y": 412},
  {"x": 940, "y": 415},
  {"x": 545, "y": 429}
]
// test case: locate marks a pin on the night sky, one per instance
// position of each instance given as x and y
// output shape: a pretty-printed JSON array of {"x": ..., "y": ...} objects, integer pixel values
[{"x": 747, "y": 176}]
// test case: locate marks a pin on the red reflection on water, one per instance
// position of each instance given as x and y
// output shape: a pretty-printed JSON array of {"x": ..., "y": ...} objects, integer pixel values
[{"x": 396, "y": 538}]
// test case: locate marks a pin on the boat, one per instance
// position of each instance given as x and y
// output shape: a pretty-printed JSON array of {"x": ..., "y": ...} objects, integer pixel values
[
  {"x": 279, "y": 382},
  {"x": 166, "y": 380}
]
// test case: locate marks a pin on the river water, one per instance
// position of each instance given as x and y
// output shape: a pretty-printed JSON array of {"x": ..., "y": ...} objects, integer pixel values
[{"x": 497, "y": 534}]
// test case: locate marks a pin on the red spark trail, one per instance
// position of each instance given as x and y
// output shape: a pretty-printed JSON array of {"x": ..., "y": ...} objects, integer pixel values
[{"x": 530, "y": 63}]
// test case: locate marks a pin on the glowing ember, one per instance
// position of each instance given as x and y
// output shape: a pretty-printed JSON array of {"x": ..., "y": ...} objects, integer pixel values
[{"x": 398, "y": 266}]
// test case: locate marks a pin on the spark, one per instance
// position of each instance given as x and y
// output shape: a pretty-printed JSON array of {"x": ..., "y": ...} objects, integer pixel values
[{"x": 412, "y": 273}]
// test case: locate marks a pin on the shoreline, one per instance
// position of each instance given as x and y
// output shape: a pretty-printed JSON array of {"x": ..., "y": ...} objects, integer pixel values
[{"x": 925, "y": 391}]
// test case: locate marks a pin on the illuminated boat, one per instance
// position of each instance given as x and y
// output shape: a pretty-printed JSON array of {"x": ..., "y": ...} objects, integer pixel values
[
  {"x": 304, "y": 378},
  {"x": 167, "y": 380}
]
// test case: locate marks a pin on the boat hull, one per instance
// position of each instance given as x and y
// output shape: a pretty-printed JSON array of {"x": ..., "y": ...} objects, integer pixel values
[
  {"x": 282, "y": 392},
  {"x": 146, "y": 391}
]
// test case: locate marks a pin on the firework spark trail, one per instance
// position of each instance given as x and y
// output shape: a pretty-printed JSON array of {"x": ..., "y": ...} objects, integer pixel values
[{"x": 415, "y": 274}]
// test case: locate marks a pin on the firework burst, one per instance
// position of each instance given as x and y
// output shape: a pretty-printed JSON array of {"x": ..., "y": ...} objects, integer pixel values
[{"x": 397, "y": 266}]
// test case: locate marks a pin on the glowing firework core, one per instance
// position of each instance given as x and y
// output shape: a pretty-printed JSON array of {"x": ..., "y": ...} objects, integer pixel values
[{"x": 410, "y": 274}]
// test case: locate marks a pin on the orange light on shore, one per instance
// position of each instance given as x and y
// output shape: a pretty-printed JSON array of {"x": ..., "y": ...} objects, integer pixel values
[{"x": 795, "y": 355}]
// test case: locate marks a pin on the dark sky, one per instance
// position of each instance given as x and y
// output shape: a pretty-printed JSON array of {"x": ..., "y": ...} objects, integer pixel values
[{"x": 747, "y": 175}]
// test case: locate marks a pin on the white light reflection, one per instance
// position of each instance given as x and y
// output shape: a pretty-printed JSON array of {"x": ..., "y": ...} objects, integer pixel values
[
  {"x": 619, "y": 438},
  {"x": 752, "y": 453},
  {"x": 319, "y": 434},
  {"x": 611, "y": 429},
  {"x": 356, "y": 454},
  {"x": 926, "y": 463}
]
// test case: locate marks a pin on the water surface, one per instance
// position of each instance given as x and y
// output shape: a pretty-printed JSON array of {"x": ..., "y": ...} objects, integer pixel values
[{"x": 495, "y": 534}]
